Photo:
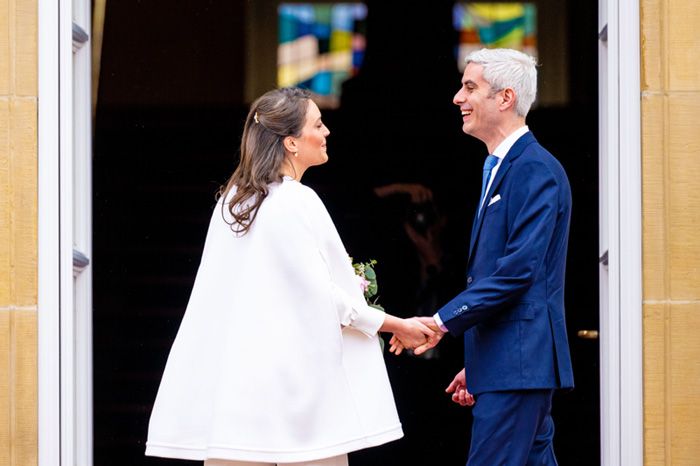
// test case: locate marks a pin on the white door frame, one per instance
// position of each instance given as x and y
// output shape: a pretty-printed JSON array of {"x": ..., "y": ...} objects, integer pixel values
[
  {"x": 64, "y": 234},
  {"x": 620, "y": 234},
  {"x": 49, "y": 295},
  {"x": 621, "y": 376}
]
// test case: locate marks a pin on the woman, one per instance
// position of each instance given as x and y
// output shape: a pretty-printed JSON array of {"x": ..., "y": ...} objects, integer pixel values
[{"x": 277, "y": 360}]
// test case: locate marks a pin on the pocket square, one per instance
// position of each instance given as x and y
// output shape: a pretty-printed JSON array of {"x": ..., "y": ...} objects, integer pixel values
[{"x": 495, "y": 199}]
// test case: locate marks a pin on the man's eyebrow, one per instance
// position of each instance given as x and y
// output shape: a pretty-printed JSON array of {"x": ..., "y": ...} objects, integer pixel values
[{"x": 469, "y": 81}]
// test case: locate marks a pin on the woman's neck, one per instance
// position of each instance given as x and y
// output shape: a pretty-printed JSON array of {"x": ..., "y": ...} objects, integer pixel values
[{"x": 291, "y": 169}]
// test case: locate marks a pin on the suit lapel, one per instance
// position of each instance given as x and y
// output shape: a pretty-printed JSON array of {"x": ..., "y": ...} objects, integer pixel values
[{"x": 514, "y": 152}]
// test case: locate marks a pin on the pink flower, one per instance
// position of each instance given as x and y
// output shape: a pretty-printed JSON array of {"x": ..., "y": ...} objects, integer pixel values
[{"x": 364, "y": 284}]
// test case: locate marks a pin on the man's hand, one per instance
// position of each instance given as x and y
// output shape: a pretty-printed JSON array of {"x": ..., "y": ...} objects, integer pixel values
[
  {"x": 458, "y": 388},
  {"x": 398, "y": 344}
]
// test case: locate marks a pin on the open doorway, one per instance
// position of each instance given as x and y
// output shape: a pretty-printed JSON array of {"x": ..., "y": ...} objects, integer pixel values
[{"x": 173, "y": 93}]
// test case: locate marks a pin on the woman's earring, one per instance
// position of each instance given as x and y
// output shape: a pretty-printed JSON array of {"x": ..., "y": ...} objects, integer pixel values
[{"x": 296, "y": 154}]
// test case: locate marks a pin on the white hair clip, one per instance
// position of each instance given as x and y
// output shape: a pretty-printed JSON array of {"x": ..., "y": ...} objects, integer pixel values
[{"x": 255, "y": 117}]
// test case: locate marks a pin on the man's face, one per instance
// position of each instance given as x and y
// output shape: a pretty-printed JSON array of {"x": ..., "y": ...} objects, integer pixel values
[{"x": 478, "y": 103}]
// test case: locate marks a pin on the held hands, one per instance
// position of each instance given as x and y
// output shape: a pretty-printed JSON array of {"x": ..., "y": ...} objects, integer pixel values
[
  {"x": 420, "y": 343},
  {"x": 409, "y": 333},
  {"x": 458, "y": 388}
]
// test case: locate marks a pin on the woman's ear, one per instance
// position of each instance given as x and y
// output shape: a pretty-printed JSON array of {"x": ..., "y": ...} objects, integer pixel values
[{"x": 290, "y": 144}]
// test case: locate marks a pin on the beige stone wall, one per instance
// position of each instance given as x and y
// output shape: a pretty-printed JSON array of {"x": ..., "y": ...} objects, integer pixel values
[
  {"x": 671, "y": 234},
  {"x": 18, "y": 232}
]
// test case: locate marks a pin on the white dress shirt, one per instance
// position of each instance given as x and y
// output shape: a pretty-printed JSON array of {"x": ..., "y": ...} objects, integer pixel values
[{"x": 500, "y": 152}]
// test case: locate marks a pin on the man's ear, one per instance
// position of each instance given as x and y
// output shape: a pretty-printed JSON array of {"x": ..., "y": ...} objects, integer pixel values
[
  {"x": 508, "y": 96},
  {"x": 290, "y": 144}
]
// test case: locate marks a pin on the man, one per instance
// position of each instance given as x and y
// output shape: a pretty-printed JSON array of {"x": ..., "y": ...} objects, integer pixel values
[{"x": 512, "y": 311}]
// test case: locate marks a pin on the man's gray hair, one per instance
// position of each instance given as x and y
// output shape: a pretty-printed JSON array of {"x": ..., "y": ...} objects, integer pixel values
[{"x": 509, "y": 68}]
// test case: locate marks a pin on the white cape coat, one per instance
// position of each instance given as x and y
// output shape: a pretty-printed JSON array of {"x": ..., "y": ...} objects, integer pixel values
[{"x": 277, "y": 358}]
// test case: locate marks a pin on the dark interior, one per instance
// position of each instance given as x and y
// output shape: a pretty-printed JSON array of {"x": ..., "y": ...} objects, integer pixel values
[{"x": 169, "y": 116}]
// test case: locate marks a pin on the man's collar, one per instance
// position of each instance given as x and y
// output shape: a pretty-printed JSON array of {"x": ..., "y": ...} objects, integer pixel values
[{"x": 505, "y": 145}]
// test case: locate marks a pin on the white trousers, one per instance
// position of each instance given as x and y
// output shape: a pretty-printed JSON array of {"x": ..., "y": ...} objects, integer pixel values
[{"x": 341, "y": 460}]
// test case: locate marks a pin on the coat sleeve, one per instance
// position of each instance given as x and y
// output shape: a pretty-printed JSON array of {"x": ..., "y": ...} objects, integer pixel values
[
  {"x": 350, "y": 305},
  {"x": 359, "y": 316},
  {"x": 534, "y": 200}
]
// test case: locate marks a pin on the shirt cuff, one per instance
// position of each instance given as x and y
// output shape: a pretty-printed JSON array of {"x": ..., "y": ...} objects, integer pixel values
[{"x": 439, "y": 323}]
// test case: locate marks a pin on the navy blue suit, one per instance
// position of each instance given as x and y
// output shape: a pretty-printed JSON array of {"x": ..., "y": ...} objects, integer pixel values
[{"x": 512, "y": 310}]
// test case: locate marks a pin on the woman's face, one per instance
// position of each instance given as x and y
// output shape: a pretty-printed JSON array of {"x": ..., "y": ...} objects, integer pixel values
[{"x": 311, "y": 144}]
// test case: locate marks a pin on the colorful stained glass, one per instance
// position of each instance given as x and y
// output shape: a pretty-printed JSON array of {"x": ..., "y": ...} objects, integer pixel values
[
  {"x": 495, "y": 25},
  {"x": 320, "y": 45}
]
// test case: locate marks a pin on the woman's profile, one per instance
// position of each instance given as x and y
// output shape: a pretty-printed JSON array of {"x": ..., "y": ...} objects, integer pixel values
[{"x": 277, "y": 359}]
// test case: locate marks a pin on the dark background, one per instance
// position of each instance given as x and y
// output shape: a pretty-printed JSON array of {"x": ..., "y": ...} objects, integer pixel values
[{"x": 167, "y": 129}]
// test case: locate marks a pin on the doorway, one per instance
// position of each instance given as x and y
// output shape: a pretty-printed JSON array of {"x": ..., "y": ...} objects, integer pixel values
[{"x": 171, "y": 104}]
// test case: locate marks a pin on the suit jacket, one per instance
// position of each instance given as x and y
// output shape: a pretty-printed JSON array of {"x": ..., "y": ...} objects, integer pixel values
[{"x": 512, "y": 310}]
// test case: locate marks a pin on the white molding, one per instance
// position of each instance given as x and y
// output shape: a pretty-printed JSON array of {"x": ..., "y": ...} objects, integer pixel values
[
  {"x": 49, "y": 408},
  {"x": 620, "y": 220},
  {"x": 65, "y": 301},
  {"x": 609, "y": 233},
  {"x": 81, "y": 433},
  {"x": 69, "y": 335},
  {"x": 631, "y": 368}
]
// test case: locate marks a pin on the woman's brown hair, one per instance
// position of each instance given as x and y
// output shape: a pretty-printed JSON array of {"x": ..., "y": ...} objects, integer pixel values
[{"x": 273, "y": 116}]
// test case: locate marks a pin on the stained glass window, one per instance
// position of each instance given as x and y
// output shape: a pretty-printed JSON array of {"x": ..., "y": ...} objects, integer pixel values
[
  {"x": 320, "y": 46},
  {"x": 495, "y": 25}
]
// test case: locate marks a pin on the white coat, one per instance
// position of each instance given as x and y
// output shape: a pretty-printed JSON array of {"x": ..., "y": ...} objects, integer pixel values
[{"x": 277, "y": 358}]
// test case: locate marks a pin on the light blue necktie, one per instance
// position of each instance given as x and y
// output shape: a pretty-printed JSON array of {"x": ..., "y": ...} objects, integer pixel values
[{"x": 490, "y": 162}]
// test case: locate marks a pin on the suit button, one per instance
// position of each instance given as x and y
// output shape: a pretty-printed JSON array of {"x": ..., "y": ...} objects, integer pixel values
[{"x": 469, "y": 280}]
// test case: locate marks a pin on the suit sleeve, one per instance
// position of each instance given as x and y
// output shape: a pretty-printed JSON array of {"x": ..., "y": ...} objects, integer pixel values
[{"x": 532, "y": 215}]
